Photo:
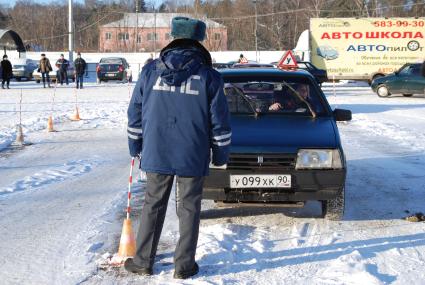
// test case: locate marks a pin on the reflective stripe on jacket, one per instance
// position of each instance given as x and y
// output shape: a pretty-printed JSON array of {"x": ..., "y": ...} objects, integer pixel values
[{"x": 178, "y": 113}]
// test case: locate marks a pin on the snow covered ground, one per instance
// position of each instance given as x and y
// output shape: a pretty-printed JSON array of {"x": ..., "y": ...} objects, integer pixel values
[{"x": 62, "y": 200}]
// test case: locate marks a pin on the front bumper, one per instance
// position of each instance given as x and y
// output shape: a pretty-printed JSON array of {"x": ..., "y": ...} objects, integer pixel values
[
  {"x": 306, "y": 185},
  {"x": 19, "y": 73}
]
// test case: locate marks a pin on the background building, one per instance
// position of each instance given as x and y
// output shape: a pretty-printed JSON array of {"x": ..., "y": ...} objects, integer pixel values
[{"x": 153, "y": 33}]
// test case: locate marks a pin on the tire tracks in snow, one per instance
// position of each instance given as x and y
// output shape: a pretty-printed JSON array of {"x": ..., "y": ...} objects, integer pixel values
[{"x": 50, "y": 176}]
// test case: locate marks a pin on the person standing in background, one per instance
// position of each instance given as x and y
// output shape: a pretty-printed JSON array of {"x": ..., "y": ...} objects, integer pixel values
[
  {"x": 80, "y": 69},
  {"x": 62, "y": 64},
  {"x": 44, "y": 68},
  {"x": 6, "y": 73}
]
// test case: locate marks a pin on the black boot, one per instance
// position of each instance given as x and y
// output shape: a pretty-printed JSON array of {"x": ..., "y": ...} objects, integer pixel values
[
  {"x": 130, "y": 266},
  {"x": 186, "y": 274}
]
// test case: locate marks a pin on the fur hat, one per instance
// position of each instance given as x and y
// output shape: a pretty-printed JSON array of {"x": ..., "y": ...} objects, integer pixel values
[{"x": 186, "y": 28}]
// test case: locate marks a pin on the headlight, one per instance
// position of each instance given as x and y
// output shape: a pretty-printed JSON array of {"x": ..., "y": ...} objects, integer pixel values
[{"x": 318, "y": 159}]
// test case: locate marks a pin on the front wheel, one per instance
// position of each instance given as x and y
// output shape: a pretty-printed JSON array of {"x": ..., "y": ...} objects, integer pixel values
[
  {"x": 334, "y": 209},
  {"x": 382, "y": 91},
  {"x": 407, "y": 95}
]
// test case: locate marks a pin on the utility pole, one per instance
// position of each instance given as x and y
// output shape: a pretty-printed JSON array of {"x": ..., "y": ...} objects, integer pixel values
[
  {"x": 154, "y": 32},
  {"x": 136, "y": 35},
  {"x": 70, "y": 32},
  {"x": 256, "y": 41}
]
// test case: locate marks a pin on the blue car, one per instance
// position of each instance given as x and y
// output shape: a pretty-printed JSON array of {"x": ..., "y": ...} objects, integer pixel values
[
  {"x": 327, "y": 52},
  {"x": 285, "y": 142}
]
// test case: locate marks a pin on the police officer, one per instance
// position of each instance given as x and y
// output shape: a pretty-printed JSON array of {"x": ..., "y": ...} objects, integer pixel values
[{"x": 179, "y": 114}]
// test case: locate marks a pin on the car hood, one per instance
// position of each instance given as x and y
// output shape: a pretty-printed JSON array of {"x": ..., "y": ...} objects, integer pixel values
[
  {"x": 382, "y": 79},
  {"x": 280, "y": 133}
]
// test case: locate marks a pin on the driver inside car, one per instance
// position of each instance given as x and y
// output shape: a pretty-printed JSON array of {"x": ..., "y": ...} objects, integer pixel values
[{"x": 284, "y": 101}]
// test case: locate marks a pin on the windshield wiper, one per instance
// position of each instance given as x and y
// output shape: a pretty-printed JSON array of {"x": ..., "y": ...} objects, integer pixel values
[
  {"x": 240, "y": 93},
  {"x": 313, "y": 113}
]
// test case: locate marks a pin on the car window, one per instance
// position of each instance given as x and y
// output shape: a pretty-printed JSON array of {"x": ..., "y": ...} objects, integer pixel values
[
  {"x": 302, "y": 65},
  {"x": 415, "y": 70},
  {"x": 406, "y": 70},
  {"x": 294, "y": 96},
  {"x": 111, "y": 60},
  {"x": 310, "y": 66}
]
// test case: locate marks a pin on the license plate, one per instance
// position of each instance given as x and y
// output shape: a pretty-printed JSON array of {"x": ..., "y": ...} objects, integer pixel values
[
  {"x": 260, "y": 181},
  {"x": 110, "y": 74}
]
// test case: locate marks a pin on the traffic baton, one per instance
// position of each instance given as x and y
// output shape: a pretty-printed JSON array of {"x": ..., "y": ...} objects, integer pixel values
[{"x": 130, "y": 181}]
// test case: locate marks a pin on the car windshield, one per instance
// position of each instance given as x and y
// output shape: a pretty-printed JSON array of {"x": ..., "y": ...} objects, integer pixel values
[
  {"x": 296, "y": 96},
  {"x": 111, "y": 60}
]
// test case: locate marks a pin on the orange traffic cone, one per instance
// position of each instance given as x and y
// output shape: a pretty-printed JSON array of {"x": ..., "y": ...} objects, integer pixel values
[
  {"x": 50, "y": 124},
  {"x": 76, "y": 116},
  {"x": 19, "y": 135},
  {"x": 127, "y": 242}
]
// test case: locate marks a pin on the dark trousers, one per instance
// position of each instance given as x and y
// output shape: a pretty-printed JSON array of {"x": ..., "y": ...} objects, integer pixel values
[
  {"x": 188, "y": 199},
  {"x": 79, "y": 80},
  {"x": 63, "y": 75},
  {"x": 5, "y": 80},
  {"x": 45, "y": 76}
]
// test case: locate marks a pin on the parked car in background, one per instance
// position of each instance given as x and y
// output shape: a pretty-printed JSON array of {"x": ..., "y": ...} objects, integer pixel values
[
  {"x": 286, "y": 155},
  {"x": 218, "y": 65},
  {"x": 320, "y": 74},
  {"x": 54, "y": 74},
  {"x": 23, "y": 68},
  {"x": 408, "y": 80},
  {"x": 252, "y": 65},
  {"x": 113, "y": 68}
]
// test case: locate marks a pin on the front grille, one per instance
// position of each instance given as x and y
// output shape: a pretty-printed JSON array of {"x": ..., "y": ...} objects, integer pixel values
[{"x": 261, "y": 161}]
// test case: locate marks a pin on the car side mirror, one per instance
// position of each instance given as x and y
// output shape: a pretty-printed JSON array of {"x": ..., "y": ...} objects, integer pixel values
[
  {"x": 396, "y": 72},
  {"x": 342, "y": 115}
]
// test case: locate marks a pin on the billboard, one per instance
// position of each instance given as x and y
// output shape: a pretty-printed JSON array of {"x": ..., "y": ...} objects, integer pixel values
[{"x": 359, "y": 48}]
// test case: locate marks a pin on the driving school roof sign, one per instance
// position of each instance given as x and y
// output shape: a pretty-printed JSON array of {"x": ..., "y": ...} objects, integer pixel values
[{"x": 287, "y": 61}]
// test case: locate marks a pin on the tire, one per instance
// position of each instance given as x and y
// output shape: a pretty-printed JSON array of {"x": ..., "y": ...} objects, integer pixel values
[
  {"x": 18, "y": 78},
  {"x": 376, "y": 76},
  {"x": 333, "y": 209},
  {"x": 382, "y": 91},
  {"x": 37, "y": 81},
  {"x": 407, "y": 95}
]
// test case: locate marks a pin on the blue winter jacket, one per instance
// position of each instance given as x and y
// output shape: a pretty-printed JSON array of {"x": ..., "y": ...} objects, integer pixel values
[{"x": 178, "y": 114}]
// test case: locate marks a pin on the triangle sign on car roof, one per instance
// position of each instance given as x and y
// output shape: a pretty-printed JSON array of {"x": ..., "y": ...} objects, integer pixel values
[
  {"x": 243, "y": 60},
  {"x": 288, "y": 61}
]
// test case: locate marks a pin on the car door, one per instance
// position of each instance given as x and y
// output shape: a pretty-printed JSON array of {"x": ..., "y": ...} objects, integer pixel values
[
  {"x": 415, "y": 82},
  {"x": 396, "y": 82}
]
